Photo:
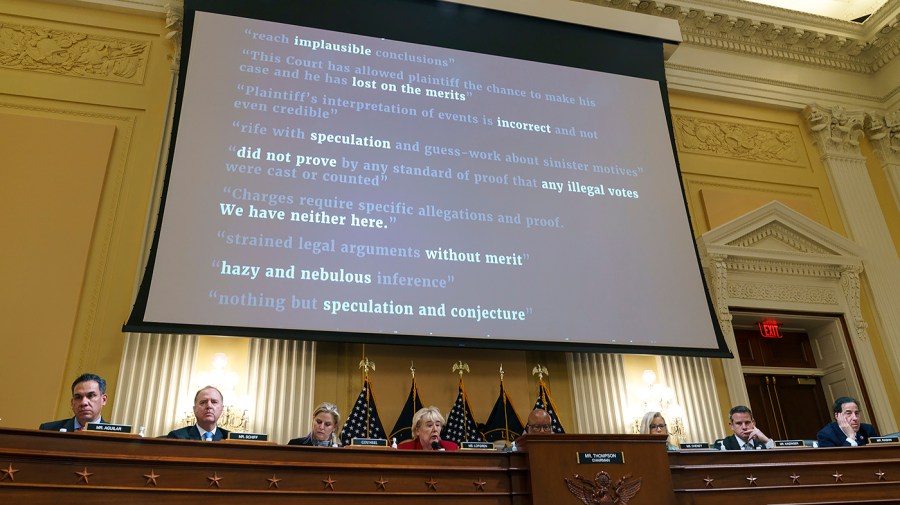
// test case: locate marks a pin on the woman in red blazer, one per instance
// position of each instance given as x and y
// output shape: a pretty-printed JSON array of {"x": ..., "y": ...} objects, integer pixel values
[{"x": 427, "y": 425}]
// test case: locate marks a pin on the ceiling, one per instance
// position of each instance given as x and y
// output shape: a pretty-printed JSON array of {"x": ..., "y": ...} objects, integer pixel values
[{"x": 846, "y": 10}]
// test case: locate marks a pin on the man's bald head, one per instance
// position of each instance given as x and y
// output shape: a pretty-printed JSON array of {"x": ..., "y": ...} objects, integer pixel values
[{"x": 539, "y": 421}]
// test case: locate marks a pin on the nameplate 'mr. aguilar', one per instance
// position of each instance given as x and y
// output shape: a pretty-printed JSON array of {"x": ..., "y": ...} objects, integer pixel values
[
  {"x": 592, "y": 458},
  {"x": 109, "y": 428}
]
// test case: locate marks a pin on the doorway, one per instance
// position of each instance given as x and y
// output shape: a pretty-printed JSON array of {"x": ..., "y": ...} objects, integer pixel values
[{"x": 784, "y": 383}]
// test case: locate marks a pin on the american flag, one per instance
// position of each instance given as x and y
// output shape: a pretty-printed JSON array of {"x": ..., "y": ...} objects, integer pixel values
[
  {"x": 461, "y": 425},
  {"x": 545, "y": 402},
  {"x": 363, "y": 421}
]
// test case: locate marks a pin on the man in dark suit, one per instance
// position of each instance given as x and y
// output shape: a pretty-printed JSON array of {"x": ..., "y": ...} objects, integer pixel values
[
  {"x": 746, "y": 435},
  {"x": 846, "y": 430},
  {"x": 88, "y": 398},
  {"x": 208, "y": 406}
]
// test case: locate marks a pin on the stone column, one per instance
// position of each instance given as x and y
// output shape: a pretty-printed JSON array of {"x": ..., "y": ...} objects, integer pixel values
[
  {"x": 883, "y": 131},
  {"x": 836, "y": 133}
]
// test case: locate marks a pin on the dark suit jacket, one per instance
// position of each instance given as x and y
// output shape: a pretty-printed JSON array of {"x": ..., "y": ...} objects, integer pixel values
[
  {"x": 192, "y": 433},
  {"x": 68, "y": 424},
  {"x": 832, "y": 436},
  {"x": 731, "y": 444}
]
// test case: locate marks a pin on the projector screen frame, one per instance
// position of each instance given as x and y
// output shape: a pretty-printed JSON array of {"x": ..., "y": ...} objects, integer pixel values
[{"x": 380, "y": 21}]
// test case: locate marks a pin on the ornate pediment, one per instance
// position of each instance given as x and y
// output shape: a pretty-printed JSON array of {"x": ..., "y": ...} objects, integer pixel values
[
  {"x": 777, "y": 232},
  {"x": 775, "y": 236}
]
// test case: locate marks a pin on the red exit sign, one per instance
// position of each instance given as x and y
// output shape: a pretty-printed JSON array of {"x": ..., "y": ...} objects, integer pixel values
[{"x": 770, "y": 329}]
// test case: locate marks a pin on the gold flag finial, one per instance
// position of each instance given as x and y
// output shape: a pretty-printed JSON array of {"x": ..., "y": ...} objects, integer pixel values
[
  {"x": 461, "y": 368},
  {"x": 367, "y": 365},
  {"x": 501, "y": 372},
  {"x": 412, "y": 369},
  {"x": 540, "y": 370}
]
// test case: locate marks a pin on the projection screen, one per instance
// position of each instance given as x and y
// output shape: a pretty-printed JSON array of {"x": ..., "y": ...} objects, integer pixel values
[{"x": 412, "y": 172}]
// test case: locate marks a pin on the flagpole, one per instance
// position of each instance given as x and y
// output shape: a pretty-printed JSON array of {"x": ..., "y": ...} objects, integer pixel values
[
  {"x": 505, "y": 411},
  {"x": 415, "y": 387},
  {"x": 365, "y": 364}
]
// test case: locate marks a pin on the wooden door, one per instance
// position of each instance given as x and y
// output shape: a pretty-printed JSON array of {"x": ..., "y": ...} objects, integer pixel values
[
  {"x": 787, "y": 404},
  {"x": 787, "y": 407}
]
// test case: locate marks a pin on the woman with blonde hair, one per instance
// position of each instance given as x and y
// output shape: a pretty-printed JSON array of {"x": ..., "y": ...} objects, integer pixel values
[
  {"x": 427, "y": 424},
  {"x": 653, "y": 423},
  {"x": 325, "y": 420}
]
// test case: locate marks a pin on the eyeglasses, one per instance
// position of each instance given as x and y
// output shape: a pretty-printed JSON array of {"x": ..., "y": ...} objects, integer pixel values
[
  {"x": 657, "y": 426},
  {"x": 540, "y": 427}
]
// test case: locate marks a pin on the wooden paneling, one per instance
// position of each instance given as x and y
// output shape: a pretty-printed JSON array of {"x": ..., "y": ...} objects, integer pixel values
[
  {"x": 51, "y": 468},
  {"x": 553, "y": 460},
  {"x": 782, "y": 476}
]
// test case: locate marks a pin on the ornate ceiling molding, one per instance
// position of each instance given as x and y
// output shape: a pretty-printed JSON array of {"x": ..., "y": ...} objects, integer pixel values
[
  {"x": 805, "y": 89},
  {"x": 771, "y": 32}
]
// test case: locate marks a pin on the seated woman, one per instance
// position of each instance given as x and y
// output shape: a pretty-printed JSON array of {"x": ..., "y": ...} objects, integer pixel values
[
  {"x": 427, "y": 424},
  {"x": 654, "y": 424},
  {"x": 324, "y": 422}
]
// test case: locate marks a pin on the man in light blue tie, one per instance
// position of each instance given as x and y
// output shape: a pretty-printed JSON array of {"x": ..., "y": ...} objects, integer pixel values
[{"x": 208, "y": 406}]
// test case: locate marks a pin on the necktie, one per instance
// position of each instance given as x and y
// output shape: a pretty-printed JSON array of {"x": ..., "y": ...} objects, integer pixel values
[
  {"x": 208, "y": 436},
  {"x": 747, "y": 446}
]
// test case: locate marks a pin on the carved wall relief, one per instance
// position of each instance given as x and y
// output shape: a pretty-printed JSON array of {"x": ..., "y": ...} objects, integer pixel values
[
  {"x": 736, "y": 140},
  {"x": 41, "y": 49}
]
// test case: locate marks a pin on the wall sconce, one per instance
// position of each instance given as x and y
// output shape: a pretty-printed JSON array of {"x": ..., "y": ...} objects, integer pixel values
[{"x": 654, "y": 397}]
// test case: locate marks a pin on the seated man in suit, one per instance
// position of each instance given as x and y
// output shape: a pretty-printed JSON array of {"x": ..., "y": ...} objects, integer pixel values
[
  {"x": 746, "y": 435},
  {"x": 846, "y": 430},
  {"x": 88, "y": 398},
  {"x": 208, "y": 406}
]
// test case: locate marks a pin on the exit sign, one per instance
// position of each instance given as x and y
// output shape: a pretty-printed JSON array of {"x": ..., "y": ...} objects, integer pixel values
[{"x": 770, "y": 329}]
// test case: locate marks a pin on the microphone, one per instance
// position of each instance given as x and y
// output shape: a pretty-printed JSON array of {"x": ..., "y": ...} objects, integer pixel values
[{"x": 436, "y": 446}]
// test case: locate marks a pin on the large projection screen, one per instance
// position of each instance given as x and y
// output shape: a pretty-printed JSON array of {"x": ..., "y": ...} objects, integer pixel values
[{"x": 412, "y": 172}]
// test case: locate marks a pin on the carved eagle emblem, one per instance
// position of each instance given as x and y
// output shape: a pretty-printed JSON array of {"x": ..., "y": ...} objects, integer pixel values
[{"x": 602, "y": 489}]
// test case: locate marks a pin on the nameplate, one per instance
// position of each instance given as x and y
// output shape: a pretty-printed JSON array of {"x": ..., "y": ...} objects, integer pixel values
[
  {"x": 253, "y": 437},
  {"x": 369, "y": 442},
  {"x": 108, "y": 428},
  {"x": 884, "y": 440},
  {"x": 694, "y": 445},
  {"x": 790, "y": 443},
  {"x": 476, "y": 445},
  {"x": 590, "y": 458}
]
